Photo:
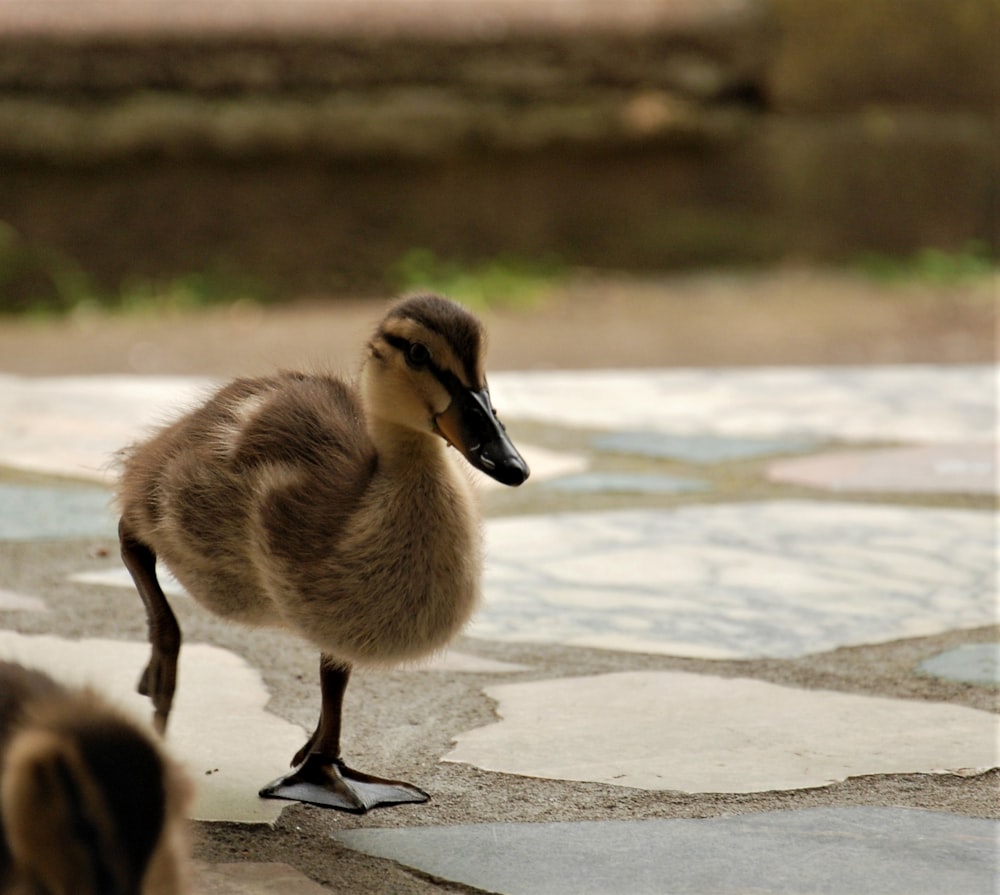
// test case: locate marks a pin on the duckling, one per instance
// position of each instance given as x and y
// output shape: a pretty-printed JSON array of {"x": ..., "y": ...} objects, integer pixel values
[
  {"x": 329, "y": 508},
  {"x": 89, "y": 804}
]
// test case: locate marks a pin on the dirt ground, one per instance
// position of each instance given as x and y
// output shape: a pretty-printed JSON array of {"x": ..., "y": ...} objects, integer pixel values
[
  {"x": 791, "y": 316},
  {"x": 402, "y": 721}
]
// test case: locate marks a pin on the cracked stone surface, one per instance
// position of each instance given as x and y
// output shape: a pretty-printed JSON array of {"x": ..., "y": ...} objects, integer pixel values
[
  {"x": 74, "y": 425},
  {"x": 626, "y": 483},
  {"x": 10, "y": 601},
  {"x": 928, "y": 404},
  {"x": 697, "y": 448},
  {"x": 700, "y": 733},
  {"x": 932, "y": 469},
  {"x": 836, "y": 851},
  {"x": 253, "y": 879},
  {"x": 219, "y": 728},
  {"x": 33, "y": 512},
  {"x": 971, "y": 663},
  {"x": 776, "y": 579}
]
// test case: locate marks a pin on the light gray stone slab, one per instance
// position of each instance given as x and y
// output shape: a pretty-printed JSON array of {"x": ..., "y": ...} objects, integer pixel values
[
  {"x": 782, "y": 579},
  {"x": 36, "y": 512},
  {"x": 931, "y": 469},
  {"x": 971, "y": 663},
  {"x": 671, "y": 730},
  {"x": 918, "y": 403},
  {"x": 697, "y": 448},
  {"x": 15, "y": 602},
  {"x": 219, "y": 728},
  {"x": 834, "y": 851},
  {"x": 252, "y": 879},
  {"x": 626, "y": 483},
  {"x": 727, "y": 581},
  {"x": 74, "y": 425},
  {"x": 118, "y": 576}
]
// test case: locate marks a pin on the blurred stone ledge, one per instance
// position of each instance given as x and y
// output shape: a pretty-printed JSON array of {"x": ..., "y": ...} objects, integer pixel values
[
  {"x": 315, "y": 142},
  {"x": 409, "y": 122}
]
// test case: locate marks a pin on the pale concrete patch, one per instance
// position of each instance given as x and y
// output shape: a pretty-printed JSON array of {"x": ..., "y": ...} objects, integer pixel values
[
  {"x": 118, "y": 576},
  {"x": 926, "y": 404},
  {"x": 14, "y": 602},
  {"x": 75, "y": 425},
  {"x": 836, "y": 851},
  {"x": 218, "y": 729},
  {"x": 252, "y": 879},
  {"x": 697, "y": 733},
  {"x": 747, "y": 580},
  {"x": 933, "y": 469}
]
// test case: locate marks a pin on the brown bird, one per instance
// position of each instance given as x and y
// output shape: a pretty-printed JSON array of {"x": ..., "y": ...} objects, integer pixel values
[
  {"x": 329, "y": 508},
  {"x": 89, "y": 804}
]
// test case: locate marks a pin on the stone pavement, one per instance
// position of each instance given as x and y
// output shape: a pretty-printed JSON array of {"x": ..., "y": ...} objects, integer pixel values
[{"x": 664, "y": 603}]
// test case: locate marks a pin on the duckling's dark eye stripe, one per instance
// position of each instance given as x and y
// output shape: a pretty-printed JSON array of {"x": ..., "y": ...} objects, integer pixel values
[{"x": 448, "y": 379}]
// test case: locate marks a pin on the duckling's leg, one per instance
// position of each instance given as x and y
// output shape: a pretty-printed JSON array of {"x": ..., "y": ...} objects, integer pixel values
[
  {"x": 320, "y": 776},
  {"x": 160, "y": 676}
]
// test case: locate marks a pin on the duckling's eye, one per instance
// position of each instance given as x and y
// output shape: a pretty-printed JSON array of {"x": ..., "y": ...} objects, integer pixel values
[{"x": 417, "y": 355}]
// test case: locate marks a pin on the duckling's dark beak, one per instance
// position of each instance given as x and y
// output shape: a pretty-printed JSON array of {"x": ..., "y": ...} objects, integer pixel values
[{"x": 470, "y": 423}]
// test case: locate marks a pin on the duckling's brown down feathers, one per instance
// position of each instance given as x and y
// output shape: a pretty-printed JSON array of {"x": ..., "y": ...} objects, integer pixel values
[{"x": 279, "y": 502}]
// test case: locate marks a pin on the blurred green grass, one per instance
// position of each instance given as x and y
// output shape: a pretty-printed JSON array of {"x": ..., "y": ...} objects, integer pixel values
[
  {"x": 40, "y": 281},
  {"x": 503, "y": 281},
  {"x": 932, "y": 266}
]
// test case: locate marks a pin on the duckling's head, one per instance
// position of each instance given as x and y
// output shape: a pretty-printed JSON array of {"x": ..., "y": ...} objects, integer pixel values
[{"x": 425, "y": 371}]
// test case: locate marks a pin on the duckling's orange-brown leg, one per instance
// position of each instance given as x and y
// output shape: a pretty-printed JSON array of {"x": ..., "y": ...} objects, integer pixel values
[
  {"x": 319, "y": 775},
  {"x": 159, "y": 679}
]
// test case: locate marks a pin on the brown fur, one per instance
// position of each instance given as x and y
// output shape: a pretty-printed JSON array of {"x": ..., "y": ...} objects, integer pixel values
[
  {"x": 300, "y": 500},
  {"x": 89, "y": 805}
]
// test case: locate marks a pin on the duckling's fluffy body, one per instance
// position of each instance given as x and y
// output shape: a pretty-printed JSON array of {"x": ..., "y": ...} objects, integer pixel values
[
  {"x": 330, "y": 508},
  {"x": 89, "y": 805},
  {"x": 272, "y": 504}
]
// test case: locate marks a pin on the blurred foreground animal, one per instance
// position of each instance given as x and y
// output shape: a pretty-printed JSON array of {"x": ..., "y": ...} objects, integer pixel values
[
  {"x": 89, "y": 804},
  {"x": 329, "y": 508}
]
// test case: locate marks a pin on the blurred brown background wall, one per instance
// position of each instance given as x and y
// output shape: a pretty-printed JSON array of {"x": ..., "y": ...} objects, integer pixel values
[{"x": 310, "y": 146}]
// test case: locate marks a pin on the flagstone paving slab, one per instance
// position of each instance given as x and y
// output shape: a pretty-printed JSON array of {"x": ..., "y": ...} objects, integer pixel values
[
  {"x": 932, "y": 469},
  {"x": 219, "y": 728},
  {"x": 971, "y": 663},
  {"x": 781, "y": 579},
  {"x": 923, "y": 404},
  {"x": 253, "y": 879},
  {"x": 627, "y": 483},
  {"x": 697, "y": 448},
  {"x": 835, "y": 851},
  {"x": 672, "y": 730},
  {"x": 15, "y": 602},
  {"x": 74, "y": 425},
  {"x": 36, "y": 512}
]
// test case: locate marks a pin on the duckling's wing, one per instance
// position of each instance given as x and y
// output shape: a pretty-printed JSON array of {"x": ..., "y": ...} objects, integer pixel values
[{"x": 309, "y": 449}]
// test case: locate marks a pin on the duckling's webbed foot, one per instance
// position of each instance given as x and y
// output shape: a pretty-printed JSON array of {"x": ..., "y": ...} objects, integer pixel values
[
  {"x": 318, "y": 778},
  {"x": 332, "y": 784}
]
